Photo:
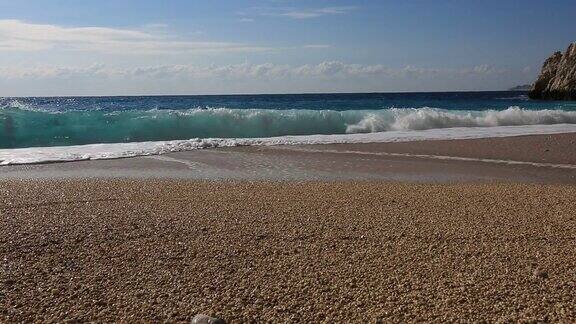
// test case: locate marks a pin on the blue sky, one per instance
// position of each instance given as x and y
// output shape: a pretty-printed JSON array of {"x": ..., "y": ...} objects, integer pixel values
[{"x": 116, "y": 47}]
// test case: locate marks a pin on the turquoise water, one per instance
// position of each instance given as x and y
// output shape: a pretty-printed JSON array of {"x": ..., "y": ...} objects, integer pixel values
[{"x": 29, "y": 122}]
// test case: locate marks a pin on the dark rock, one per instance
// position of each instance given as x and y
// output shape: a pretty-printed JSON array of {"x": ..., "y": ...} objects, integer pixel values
[
  {"x": 557, "y": 80},
  {"x": 205, "y": 319},
  {"x": 540, "y": 274},
  {"x": 9, "y": 282}
]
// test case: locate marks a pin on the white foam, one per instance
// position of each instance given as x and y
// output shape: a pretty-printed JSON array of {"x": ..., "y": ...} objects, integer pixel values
[
  {"x": 123, "y": 150},
  {"x": 430, "y": 118}
]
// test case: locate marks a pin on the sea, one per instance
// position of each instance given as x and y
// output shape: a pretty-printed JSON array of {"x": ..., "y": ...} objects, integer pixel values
[{"x": 51, "y": 129}]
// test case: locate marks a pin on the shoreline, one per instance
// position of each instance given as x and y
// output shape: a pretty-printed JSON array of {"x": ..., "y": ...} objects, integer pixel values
[
  {"x": 531, "y": 159},
  {"x": 106, "y": 151}
]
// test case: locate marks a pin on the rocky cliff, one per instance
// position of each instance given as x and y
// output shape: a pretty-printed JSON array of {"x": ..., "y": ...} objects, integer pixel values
[{"x": 557, "y": 80}]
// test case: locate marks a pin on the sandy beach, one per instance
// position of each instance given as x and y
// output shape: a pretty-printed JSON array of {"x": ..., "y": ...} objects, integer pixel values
[
  {"x": 296, "y": 234},
  {"x": 286, "y": 252}
]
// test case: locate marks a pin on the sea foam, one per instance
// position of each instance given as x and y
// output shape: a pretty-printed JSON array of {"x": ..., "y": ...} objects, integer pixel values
[
  {"x": 123, "y": 150},
  {"x": 430, "y": 118}
]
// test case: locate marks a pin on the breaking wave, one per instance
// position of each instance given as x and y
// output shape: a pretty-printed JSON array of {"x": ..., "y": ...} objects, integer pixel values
[
  {"x": 24, "y": 126},
  {"x": 430, "y": 118}
]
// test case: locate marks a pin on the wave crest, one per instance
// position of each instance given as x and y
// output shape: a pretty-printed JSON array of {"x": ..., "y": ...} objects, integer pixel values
[{"x": 431, "y": 118}]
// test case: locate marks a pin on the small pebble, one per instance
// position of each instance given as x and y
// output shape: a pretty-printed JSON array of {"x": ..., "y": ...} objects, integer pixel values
[
  {"x": 540, "y": 274},
  {"x": 205, "y": 319}
]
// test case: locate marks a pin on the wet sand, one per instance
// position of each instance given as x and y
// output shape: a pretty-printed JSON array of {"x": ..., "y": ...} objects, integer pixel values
[
  {"x": 555, "y": 149},
  {"x": 528, "y": 159},
  {"x": 286, "y": 251},
  {"x": 335, "y": 233}
]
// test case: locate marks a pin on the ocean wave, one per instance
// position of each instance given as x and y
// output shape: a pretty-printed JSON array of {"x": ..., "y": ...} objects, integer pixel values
[
  {"x": 23, "y": 126},
  {"x": 17, "y": 104},
  {"x": 430, "y": 118}
]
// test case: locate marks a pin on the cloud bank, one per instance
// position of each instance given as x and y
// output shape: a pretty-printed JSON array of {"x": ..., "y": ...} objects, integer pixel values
[
  {"x": 17, "y": 35},
  {"x": 323, "y": 70}
]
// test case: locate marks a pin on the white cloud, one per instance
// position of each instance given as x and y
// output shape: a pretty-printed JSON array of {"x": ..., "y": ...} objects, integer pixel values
[
  {"x": 319, "y": 46},
  {"x": 486, "y": 69},
  {"x": 294, "y": 13},
  {"x": 315, "y": 13},
  {"x": 47, "y": 72},
  {"x": 334, "y": 68},
  {"x": 414, "y": 71},
  {"x": 323, "y": 70},
  {"x": 246, "y": 20},
  {"x": 16, "y": 35}
]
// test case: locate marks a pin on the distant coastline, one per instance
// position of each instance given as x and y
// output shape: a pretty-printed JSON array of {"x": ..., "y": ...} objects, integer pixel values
[{"x": 523, "y": 87}]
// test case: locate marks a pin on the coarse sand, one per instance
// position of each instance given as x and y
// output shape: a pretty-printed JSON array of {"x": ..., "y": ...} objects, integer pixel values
[{"x": 166, "y": 250}]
